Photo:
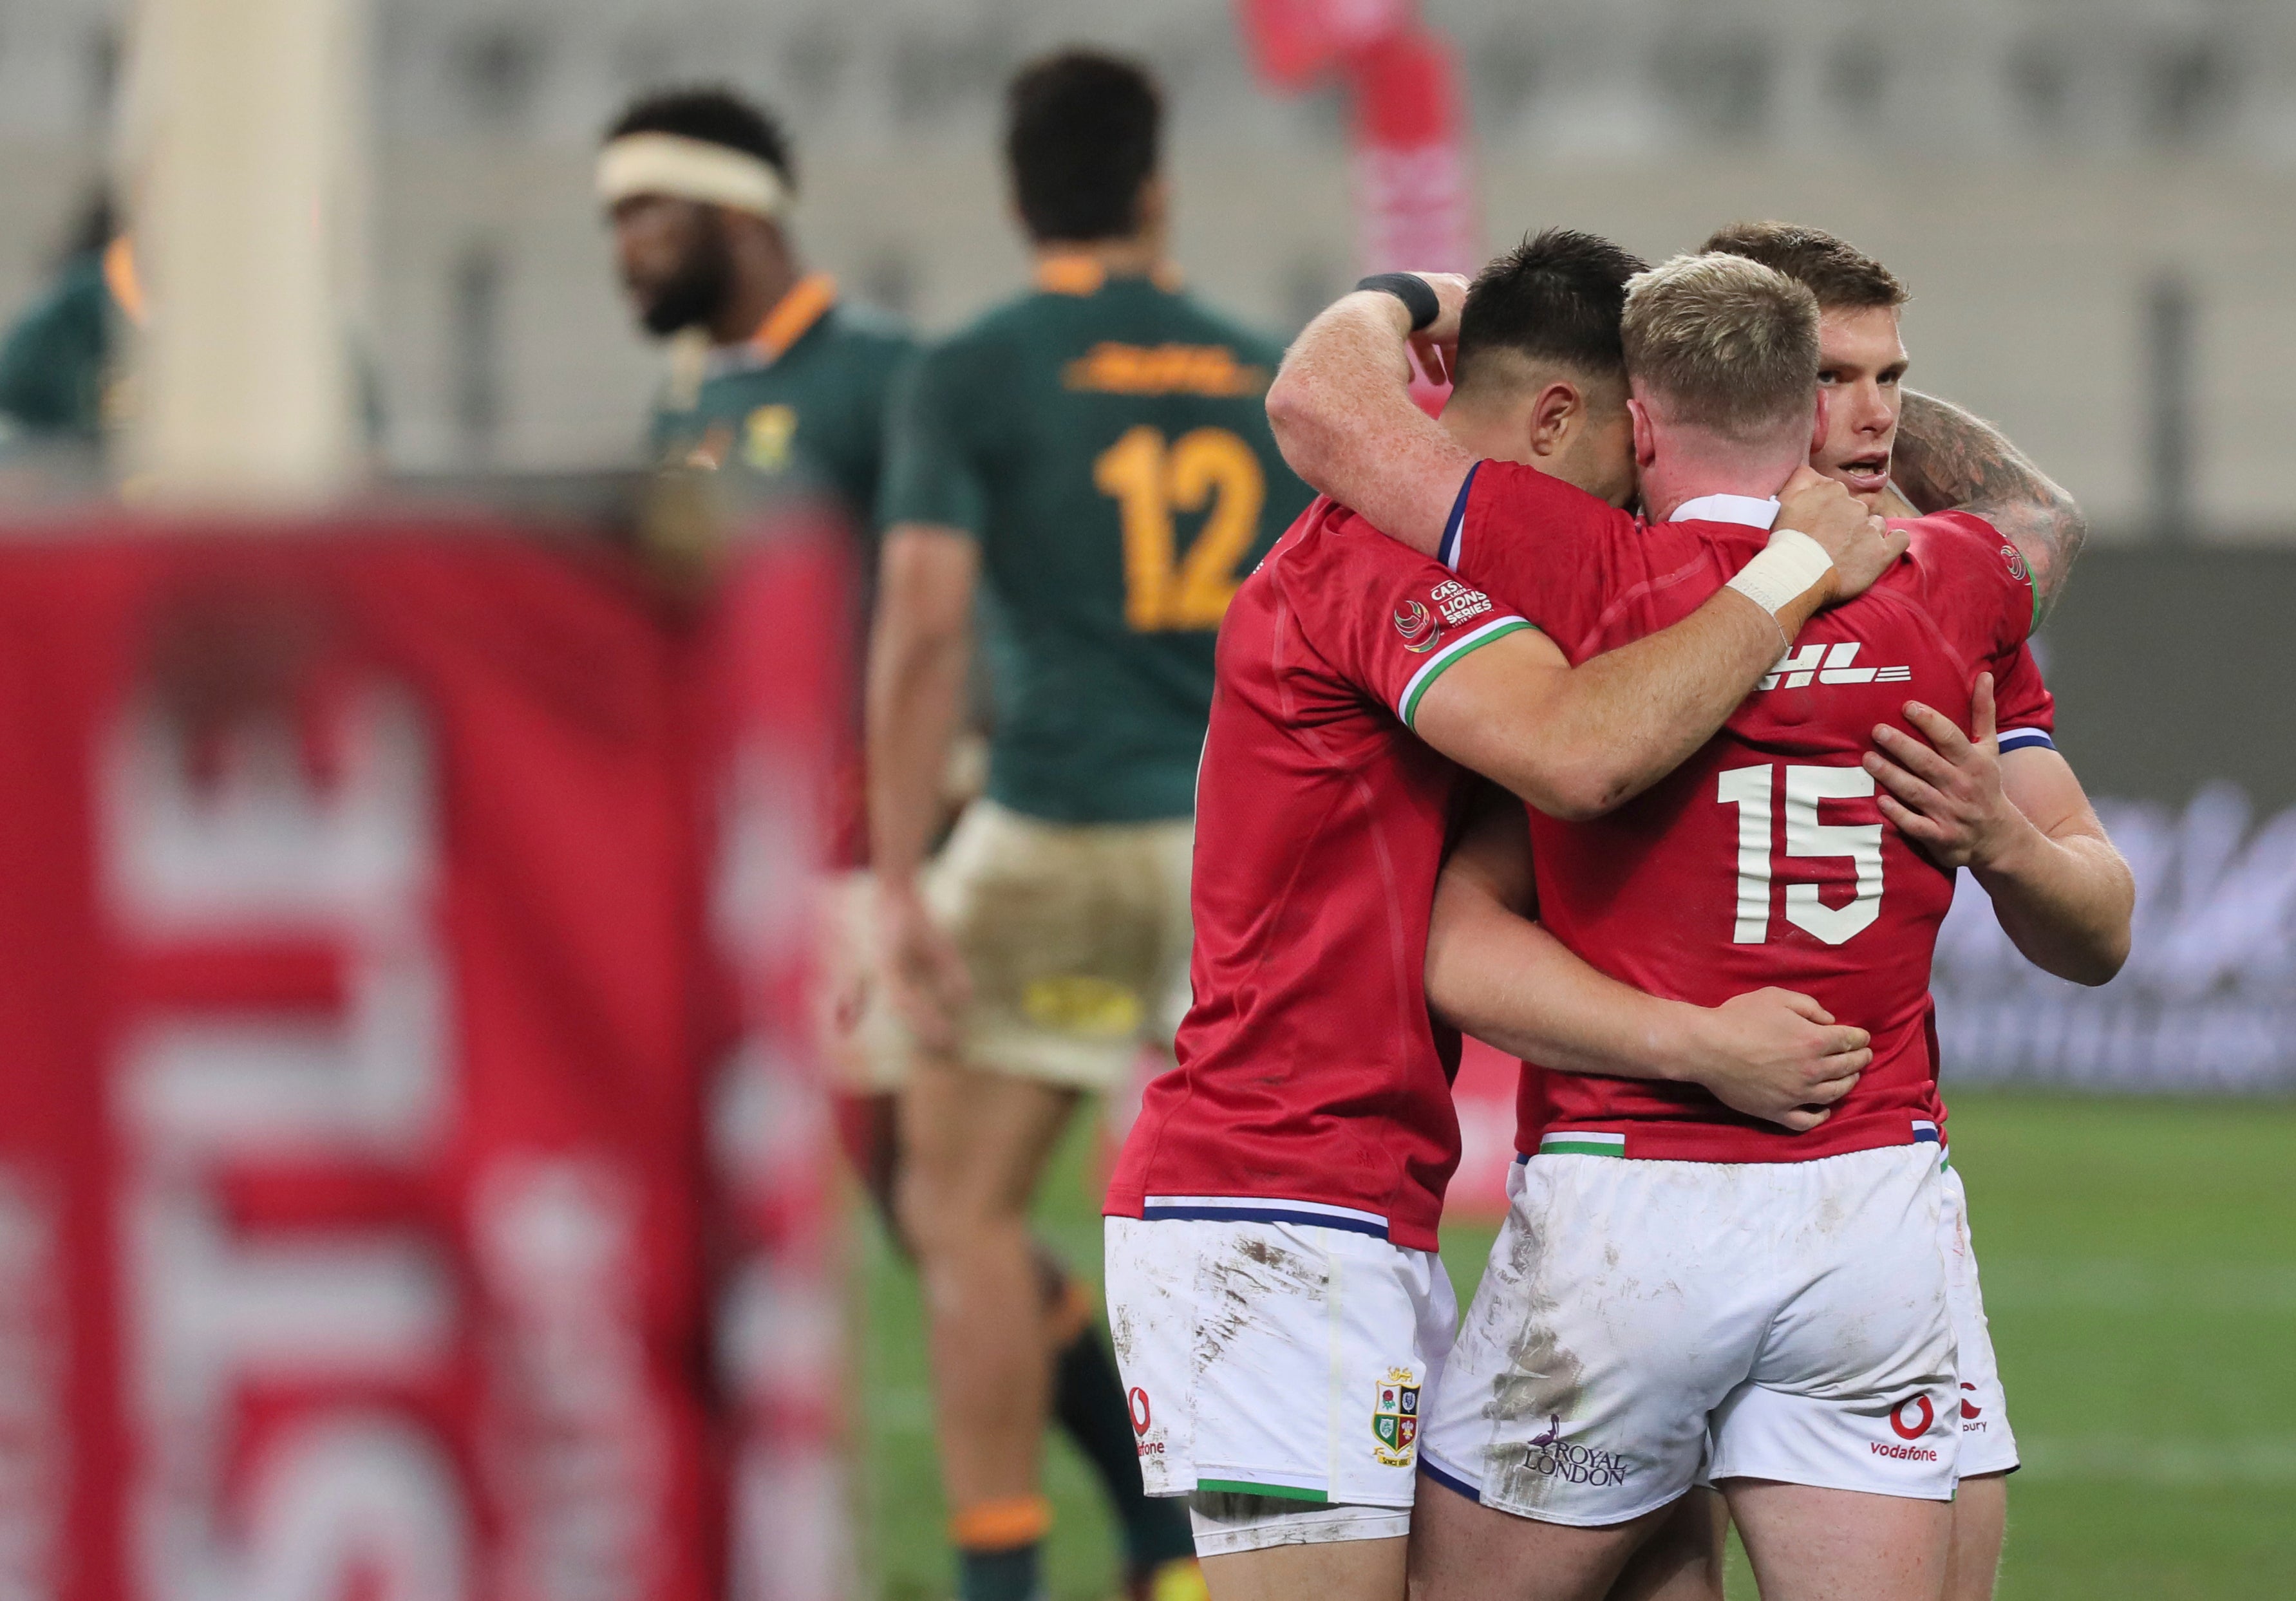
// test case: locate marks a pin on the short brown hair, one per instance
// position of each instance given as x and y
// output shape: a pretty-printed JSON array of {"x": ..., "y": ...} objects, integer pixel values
[
  {"x": 1082, "y": 134},
  {"x": 1723, "y": 343},
  {"x": 1555, "y": 298},
  {"x": 1843, "y": 277}
]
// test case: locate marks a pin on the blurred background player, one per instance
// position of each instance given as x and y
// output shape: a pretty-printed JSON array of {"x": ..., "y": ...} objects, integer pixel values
[
  {"x": 59, "y": 361},
  {"x": 1094, "y": 459},
  {"x": 770, "y": 370},
  {"x": 779, "y": 382}
]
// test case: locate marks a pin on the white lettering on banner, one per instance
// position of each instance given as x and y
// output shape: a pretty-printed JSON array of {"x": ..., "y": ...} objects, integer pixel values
[
  {"x": 368, "y": 1484},
  {"x": 778, "y": 1319},
  {"x": 586, "y": 1463},
  {"x": 262, "y": 854},
  {"x": 2207, "y": 1000},
  {"x": 1412, "y": 206},
  {"x": 36, "y": 1467}
]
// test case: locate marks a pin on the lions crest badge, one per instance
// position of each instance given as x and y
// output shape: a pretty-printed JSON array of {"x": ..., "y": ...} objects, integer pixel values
[{"x": 1394, "y": 1418}]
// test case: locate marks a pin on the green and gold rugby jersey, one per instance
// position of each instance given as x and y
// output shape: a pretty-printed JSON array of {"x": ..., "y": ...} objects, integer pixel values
[
  {"x": 1106, "y": 440},
  {"x": 800, "y": 403}
]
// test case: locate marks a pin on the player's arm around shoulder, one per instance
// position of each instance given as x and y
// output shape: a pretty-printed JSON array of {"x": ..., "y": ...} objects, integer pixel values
[
  {"x": 2021, "y": 822},
  {"x": 1577, "y": 742},
  {"x": 1344, "y": 419},
  {"x": 1947, "y": 458},
  {"x": 1494, "y": 973}
]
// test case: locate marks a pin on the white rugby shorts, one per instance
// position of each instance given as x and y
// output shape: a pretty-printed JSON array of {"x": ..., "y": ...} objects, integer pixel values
[
  {"x": 1643, "y": 1325},
  {"x": 1988, "y": 1444},
  {"x": 1281, "y": 1359}
]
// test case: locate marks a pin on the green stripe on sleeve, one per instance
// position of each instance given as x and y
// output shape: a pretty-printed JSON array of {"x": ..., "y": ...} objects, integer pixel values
[{"x": 1444, "y": 660}]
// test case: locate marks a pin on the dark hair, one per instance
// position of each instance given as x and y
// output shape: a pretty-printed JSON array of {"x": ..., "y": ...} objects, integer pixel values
[
  {"x": 1841, "y": 276},
  {"x": 1556, "y": 296},
  {"x": 1081, "y": 131},
  {"x": 715, "y": 116}
]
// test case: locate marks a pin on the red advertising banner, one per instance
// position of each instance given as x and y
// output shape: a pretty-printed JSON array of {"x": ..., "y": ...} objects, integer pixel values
[
  {"x": 1415, "y": 192},
  {"x": 384, "y": 1214}
]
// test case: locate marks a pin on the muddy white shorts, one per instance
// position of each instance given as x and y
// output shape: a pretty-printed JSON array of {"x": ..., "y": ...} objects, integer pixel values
[
  {"x": 1988, "y": 1443},
  {"x": 1645, "y": 1325},
  {"x": 1276, "y": 1359}
]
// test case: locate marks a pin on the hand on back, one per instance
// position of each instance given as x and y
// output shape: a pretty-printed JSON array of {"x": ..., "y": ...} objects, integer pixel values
[
  {"x": 1779, "y": 1056},
  {"x": 1862, "y": 545}
]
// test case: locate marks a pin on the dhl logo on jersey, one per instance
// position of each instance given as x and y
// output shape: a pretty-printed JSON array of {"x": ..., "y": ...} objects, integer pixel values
[
  {"x": 1111, "y": 368},
  {"x": 1828, "y": 664}
]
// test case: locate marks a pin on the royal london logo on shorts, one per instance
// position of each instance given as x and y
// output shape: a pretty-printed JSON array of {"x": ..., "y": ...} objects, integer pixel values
[
  {"x": 1394, "y": 1418},
  {"x": 1551, "y": 1455}
]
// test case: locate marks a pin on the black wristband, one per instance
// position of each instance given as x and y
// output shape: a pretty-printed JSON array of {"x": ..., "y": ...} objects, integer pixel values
[{"x": 1418, "y": 296}]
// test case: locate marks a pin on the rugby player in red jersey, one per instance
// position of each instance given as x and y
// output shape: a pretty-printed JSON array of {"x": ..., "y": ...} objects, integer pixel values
[
  {"x": 1680, "y": 1292},
  {"x": 1277, "y": 1305},
  {"x": 1889, "y": 444}
]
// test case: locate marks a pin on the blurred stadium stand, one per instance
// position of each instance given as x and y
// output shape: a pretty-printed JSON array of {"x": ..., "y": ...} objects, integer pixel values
[{"x": 2096, "y": 203}]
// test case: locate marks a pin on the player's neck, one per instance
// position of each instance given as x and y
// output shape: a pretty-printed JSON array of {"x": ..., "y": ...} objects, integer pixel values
[
  {"x": 1134, "y": 256},
  {"x": 763, "y": 278},
  {"x": 1501, "y": 437},
  {"x": 1678, "y": 477}
]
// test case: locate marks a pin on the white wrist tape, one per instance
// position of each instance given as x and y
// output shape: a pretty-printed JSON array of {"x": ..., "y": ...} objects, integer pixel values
[{"x": 1785, "y": 569}]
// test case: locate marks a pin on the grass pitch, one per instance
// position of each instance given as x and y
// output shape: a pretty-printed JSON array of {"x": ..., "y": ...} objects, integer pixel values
[{"x": 2139, "y": 1262}]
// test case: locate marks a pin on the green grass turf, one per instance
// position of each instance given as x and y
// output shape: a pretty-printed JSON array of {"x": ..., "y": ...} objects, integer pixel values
[{"x": 2140, "y": 1272}]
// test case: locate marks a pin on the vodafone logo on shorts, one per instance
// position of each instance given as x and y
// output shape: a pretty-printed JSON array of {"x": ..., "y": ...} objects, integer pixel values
[
  {"x": 1136, "y": 1401},
  {"x": 1909, "y": 1420}
]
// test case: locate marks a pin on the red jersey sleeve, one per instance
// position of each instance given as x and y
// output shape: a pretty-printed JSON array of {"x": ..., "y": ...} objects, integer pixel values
[
  {"x": 1386, "y": 619},
  {"x": 1985, "y": 584},
  {"x": 1550, "y": 550},
  {"x": 2024, "y": 712}
]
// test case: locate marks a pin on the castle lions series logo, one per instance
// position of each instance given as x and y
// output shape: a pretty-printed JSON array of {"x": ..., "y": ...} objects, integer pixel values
[
  {"x": 1420, "y": 631},
  {"x": 1394, "y": 1418}
]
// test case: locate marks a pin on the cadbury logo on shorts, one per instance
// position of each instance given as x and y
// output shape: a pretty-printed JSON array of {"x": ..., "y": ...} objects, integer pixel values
[{"x": 1551, "y": 1455}]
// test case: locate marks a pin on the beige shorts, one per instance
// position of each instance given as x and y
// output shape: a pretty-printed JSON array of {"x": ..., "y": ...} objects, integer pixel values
[{"x": 1076, "y": 936}]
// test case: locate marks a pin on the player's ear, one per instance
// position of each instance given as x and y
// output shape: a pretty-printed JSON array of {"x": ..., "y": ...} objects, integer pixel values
[
  {"x": 1817, "y": 426},
  {"x": 1645, "y": 437},
  {"x": 1554, "y": 409}
]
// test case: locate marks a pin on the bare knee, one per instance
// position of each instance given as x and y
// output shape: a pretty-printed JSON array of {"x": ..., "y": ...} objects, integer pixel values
[{"x": 946, "y": 1212}]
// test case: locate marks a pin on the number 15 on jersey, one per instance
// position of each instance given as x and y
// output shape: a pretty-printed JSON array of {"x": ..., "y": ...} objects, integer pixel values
[{"x": 1752, "y": 789}]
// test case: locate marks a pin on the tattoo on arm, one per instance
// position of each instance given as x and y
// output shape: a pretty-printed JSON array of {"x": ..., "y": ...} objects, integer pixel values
[{"x": 1945, "y": 457}]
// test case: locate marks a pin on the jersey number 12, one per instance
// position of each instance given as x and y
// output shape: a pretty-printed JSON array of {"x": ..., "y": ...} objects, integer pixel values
[
  {"x": 1750, "y": 789},
  {"x": 1149, "y": 481}
]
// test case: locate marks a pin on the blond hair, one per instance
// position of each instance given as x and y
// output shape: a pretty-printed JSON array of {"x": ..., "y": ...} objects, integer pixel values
[{"x": 1723, "y": 343}]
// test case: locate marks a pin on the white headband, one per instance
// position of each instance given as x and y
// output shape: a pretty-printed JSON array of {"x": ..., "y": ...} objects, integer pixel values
[{"x": 689, "y": 169}]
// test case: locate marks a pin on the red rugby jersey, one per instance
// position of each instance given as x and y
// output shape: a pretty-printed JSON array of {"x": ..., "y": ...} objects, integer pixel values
[
  {"x": 1311, "y": 1085},
  {"x": 1764, "y": 858}
]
